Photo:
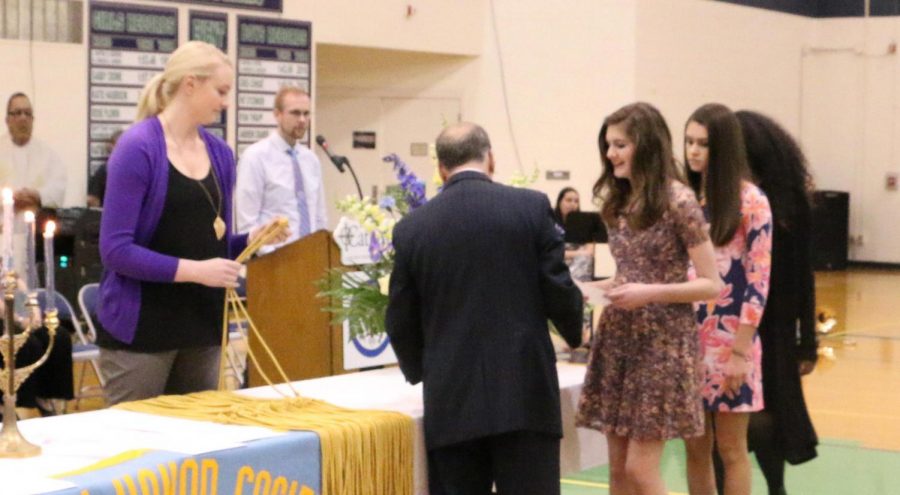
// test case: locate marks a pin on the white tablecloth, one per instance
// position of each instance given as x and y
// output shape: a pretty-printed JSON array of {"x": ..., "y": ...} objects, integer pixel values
[
  {"x": 386, "y": 389},
  {"x": 77, "y": 440}
]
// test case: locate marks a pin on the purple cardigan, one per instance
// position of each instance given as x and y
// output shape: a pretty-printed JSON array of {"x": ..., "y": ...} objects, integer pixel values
[{"x": 135, "y": 195}]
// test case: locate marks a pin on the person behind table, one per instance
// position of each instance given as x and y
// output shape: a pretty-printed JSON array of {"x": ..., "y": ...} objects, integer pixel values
[
  {"x": 279, "y": 176},
  {"x": 97, "y": 184},
  {"x": 568, "y": 201},
  {"x": 27, "y": 164},
  {"x": 741, "y": 229},
  {"x": 641, "y": 385},
  {"x": 38, "y": 178},
  {"x": 165, "y": 237},
  {"x": 783, "y": 431},
  {"x": 579, "y": 257}
]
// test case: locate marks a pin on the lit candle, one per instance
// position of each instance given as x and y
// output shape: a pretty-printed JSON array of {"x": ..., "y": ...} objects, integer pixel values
[
  {"x": 49, "y": 265},
  {"x": 6, "y": 242},
  {"x": 31, "y": 267}
]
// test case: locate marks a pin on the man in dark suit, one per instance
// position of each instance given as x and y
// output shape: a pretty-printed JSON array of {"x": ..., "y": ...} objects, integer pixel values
[{"x": 478, "y": 272}]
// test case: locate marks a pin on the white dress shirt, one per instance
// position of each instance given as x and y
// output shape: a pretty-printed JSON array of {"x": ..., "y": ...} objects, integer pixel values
[
  {"x": 35, "y": 166},
  {"x": 265, "y": 187}
]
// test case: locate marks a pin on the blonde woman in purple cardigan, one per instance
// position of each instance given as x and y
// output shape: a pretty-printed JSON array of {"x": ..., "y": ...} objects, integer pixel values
[{"x": 166, "y": 238}]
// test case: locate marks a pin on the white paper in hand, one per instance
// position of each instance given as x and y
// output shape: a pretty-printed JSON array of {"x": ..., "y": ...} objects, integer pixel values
[{"x": 595, "y": 295}]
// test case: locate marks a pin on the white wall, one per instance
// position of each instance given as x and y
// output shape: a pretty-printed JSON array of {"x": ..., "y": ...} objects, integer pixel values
[
  {"x": 831, "y": 82},
  {"x": 435, "y": 26},
  {"x": 850, "y": 125},
  {"x": 566, "y": 65},
  {"x": 694, "y": 52},
  {"x": 54, "y": 75},
  {"x": 562, "y": 67}
]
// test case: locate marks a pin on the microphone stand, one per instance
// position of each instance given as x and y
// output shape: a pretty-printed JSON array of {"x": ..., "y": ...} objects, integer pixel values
[
  {"x": 344, "y": 161},
  {"x": 339, "y": 161}
]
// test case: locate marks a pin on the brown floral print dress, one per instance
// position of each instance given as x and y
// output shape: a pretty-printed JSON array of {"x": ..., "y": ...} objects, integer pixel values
[{"x": 643, "y": 377}]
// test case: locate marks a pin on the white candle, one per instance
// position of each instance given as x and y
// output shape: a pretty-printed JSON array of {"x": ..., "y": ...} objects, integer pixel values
[
  {"x": 6, "y": 243},
  {"x": 31, "y": 266},
  {"x": 49, "y": 265}
]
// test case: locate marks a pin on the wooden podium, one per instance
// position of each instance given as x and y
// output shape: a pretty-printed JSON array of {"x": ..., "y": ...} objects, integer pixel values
[{"x": 281, "y": 300}]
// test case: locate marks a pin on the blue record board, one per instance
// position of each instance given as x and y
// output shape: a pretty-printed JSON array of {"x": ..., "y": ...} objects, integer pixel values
[
  {"x": 271, "y": 53},
  {"x": 270, "y": 5},
  {"x": 211, "y": 27},
  {"x": 128, "y": 45}
]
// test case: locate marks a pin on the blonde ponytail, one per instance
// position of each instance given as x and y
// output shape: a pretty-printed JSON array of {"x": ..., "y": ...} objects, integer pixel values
[
  {"x": 194, "y": 58},
  {"x": 151, "y": 100}
]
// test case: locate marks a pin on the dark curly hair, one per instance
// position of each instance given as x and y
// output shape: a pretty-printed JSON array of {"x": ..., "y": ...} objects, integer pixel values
[{"x": 779, "y": 167}]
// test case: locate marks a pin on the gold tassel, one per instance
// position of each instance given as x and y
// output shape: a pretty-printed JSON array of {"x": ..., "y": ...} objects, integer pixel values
[{"x": 364, "y": 452}]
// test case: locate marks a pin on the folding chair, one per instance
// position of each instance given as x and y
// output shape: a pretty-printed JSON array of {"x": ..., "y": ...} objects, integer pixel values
[
  {"x": 236, "y": 359},
  {"x": 84, "y": 351}
]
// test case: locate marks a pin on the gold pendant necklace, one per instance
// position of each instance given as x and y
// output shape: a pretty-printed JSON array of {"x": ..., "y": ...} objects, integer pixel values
[
  {"x": 219, "y": 227},
  {"x": 218, "y": 224}
]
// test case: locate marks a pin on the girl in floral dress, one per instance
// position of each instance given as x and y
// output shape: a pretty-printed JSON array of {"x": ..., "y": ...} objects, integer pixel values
[
  {"x": 641, "y": 385},
  {"x": 741, "y": 228}
]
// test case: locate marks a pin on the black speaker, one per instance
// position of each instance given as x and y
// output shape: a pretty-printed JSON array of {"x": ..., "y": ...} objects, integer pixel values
[
  {"x": 87, "y": 248},
  {"x": 76, "y": 248},
  {"x": 830, "y": 230}
]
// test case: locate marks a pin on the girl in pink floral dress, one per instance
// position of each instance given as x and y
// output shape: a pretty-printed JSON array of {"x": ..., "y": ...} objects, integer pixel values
[
  {"x": 741, "y": 228},
  {"x": 641, "y": 385}
]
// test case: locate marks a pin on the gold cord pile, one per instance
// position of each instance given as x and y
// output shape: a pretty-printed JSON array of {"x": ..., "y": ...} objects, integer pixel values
[
  {"x": 364, "y": 452},
  {"x": 235, "y": 309}
]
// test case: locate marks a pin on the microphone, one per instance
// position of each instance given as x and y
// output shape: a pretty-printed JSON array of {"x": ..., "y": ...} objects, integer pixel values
[{"x": 337, "y": 160}]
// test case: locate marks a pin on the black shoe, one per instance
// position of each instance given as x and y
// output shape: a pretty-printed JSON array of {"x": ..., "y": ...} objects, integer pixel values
[{"x": 47, "y": 407}]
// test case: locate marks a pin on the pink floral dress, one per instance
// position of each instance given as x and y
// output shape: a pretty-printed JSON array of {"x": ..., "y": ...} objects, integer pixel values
[{"x": 744, "y": 265}]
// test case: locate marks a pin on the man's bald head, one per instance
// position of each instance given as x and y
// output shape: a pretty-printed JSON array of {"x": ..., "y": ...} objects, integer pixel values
[{"x": 462, "y": 143}]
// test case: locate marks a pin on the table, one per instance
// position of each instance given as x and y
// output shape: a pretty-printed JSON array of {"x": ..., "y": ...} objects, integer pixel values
[{"x": 242, "y": 455}]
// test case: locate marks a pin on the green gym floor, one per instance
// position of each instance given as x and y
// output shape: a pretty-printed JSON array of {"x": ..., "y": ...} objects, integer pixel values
[
  {"x": 842, "y": 468},
  {"x": 853, "y": 397}
]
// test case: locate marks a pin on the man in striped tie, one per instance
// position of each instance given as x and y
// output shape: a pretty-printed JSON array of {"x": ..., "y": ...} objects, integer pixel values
[{"x": 279, "y": 176}]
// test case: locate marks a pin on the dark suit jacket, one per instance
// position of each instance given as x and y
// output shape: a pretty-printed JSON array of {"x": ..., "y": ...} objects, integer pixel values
[{"x": 478, "y": 272}]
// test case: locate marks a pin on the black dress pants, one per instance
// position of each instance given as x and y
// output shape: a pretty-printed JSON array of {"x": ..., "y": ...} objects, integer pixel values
[{"x": 520, "y": 463}]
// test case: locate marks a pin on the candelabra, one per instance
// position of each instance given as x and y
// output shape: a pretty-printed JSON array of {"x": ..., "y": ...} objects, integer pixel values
[{"x": 12, "y": 443}]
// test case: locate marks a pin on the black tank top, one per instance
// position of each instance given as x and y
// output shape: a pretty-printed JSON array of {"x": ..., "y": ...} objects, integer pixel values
[{"x": 182, "y": 315}]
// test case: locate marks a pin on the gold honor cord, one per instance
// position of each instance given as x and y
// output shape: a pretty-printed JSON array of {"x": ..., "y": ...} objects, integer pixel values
[
  {"x": 234, "y": 310},
  {"x": 363, "y": 452}
]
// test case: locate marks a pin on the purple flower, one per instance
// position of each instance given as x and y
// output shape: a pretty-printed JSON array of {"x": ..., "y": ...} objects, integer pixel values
[
  {"x": 413, "y": 187},
  {"x": 375, "y": 248},
  {"x": 388, "y": 203}
]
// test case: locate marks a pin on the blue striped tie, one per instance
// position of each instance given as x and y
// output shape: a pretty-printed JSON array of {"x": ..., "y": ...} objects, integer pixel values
[{"x": 302, "y": 207}]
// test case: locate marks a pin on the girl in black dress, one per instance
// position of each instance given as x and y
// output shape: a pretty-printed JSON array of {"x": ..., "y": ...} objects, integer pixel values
[{"x": 783, "y": 431}]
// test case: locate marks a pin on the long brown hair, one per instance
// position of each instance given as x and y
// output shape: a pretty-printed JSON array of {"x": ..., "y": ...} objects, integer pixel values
[
  {"x": 720, "y": 185},
  {"x": 645, "y": 197}
]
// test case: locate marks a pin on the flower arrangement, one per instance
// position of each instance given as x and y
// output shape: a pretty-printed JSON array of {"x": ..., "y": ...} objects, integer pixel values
[
  {"x": 363, "y": 299},
  {"x": 361, "y": 292}
]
